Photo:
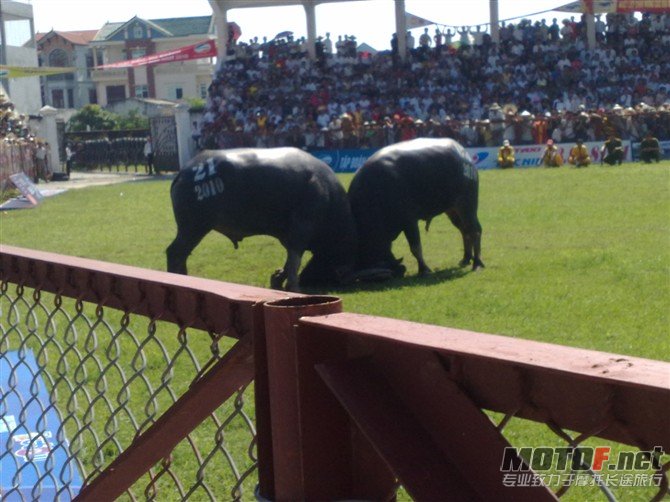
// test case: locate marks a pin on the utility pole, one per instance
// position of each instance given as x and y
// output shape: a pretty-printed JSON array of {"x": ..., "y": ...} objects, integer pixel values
[{"x": 3, "y": 49}]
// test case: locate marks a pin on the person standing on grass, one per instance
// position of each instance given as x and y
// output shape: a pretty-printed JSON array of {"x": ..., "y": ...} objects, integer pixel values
[
  {"x": 41, "y": 169},
  {"x": 579, "y": 155},
  {"x": 149, "y": 155},
  {"x": 195, "y": 135},
  {"x": 68, "y": 159}
]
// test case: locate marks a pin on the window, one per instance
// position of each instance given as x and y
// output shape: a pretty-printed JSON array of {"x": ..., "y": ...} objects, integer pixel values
[
  {"x": 137, "y": 52},
  {"x": 93, "y": 96},
  {"x": 70, "y": 98},
  {"x": 203, "y": 91},
  {"x": 58, "y": 57},
  {"x": 173, "y": 92},
  {"x": 141, "y": 91},
  {"x": 116, "y": 93},
  {"x": 138, "y": 31},
  {"x": 57, "y": 98}
]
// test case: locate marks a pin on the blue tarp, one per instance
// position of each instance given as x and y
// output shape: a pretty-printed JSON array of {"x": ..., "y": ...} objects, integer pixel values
[{"x": 34, "y": 454}]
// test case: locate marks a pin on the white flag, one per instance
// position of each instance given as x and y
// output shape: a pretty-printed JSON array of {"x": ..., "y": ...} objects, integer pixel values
[{"x": 413, "y": 21}]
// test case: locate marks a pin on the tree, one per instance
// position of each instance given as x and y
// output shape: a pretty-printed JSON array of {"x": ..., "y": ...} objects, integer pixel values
[
  {"x": 133, "y": 120},
  {"x": 93, "y": 118}
]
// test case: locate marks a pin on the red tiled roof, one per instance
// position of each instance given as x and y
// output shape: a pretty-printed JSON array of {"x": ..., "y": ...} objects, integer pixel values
[
  {"x": 79, "y": 37},
  {"x": 82, "y": 37}
]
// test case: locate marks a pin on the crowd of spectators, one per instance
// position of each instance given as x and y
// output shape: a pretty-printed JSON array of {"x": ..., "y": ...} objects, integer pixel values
[
  {"x": 20, "y": 149},
  {"x": 540, "y": 82},
  {"x": 14, "y": 127}
]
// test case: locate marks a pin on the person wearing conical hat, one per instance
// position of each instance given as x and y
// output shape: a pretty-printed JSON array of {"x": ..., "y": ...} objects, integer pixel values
[{"x": 506, "y": 155}]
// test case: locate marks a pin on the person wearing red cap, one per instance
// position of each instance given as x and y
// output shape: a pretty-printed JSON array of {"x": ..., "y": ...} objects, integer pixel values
[{"x": 552, "y": 156}]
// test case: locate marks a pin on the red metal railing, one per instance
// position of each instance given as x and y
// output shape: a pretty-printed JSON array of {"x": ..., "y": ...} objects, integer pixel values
[{"x": 351, "y": 406}]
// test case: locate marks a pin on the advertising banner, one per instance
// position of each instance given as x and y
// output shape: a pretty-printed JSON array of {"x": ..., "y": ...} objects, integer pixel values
[
  {"x": 205, "y": 49},
  {"x": 36, "y": 71},
  {"x": 615, "y": 6},
  {"x": 348, "y": 161},
  {"x": 531, "y": 155},
  {"x": 654, "y": 6},
  {"x": 32, "y": 433},
  {"x": 665, "y": 150},
  {"x": 344, "y": 161}
]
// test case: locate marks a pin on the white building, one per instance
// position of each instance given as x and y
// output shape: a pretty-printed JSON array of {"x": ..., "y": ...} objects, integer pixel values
[
  {"x": 67, "y": 49},
  {"x": 17, "y": 48},
  {"x": 141, "y": 37}
]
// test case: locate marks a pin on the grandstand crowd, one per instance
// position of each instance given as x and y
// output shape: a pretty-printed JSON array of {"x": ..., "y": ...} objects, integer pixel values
[{"x": 540, "y": 82}]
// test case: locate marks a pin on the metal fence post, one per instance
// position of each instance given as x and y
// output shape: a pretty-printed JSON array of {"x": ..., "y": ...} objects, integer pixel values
[
  {"x": 318, "y": 453},
  {"x": 281, "y": 318}
]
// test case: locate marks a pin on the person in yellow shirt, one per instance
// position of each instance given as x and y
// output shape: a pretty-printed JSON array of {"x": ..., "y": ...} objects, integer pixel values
[
  {"x": 579, "y": 155},
  {"x": 552, "y": 156},
  {"x": 506, "y": 155}
]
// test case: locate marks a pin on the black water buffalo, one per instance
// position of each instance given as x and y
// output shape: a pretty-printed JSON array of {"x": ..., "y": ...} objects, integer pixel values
[
  {"x": 411, "y": 181},
  {"x": 282, "y": 192}
]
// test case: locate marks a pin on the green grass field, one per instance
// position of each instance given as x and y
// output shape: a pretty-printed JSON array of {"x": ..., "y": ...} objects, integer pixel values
[
  {"x": 576, "y": 257},
  {"x": 573, "y": 257}
]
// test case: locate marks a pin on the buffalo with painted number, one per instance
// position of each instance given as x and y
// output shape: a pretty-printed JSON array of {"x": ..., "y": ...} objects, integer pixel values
[
  {"x": 282, "y": 192},
  {"x": 411, "y": 181}
]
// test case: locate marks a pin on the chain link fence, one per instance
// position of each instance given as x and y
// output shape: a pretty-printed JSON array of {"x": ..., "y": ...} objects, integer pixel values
[
  {"x": 80, "y": 382},
  {"x": 124, "y": 382}
]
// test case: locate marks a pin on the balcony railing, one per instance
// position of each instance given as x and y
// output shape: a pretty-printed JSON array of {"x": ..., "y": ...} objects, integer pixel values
[{"x": 111, "y": 74}]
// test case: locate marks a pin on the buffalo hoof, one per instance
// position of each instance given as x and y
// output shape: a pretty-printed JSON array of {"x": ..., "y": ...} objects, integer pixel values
[
  {"x": 277, "y": 279},
  {"x": 399, "y": 271},
  {"x": 424, "y": 271},
  {"x": 464, "y": 262},
  {"x": 293, "y": 288},
  {"x": 477, "y": 265}
]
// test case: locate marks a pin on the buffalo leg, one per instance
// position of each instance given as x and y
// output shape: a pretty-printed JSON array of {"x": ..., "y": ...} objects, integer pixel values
[
  {"x": 277, "y": 279},
  {"x": 471, "y": 231},
  {"x": 414, "y": 240},
  {"x": 289, "y": 273},
  {"x": 291, "y": 267},
  {"x": 181, "y": 248},
  {"x": 455, "y": 218}
]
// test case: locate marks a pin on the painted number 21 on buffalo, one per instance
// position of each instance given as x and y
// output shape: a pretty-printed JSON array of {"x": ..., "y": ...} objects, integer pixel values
[{"x": 207, "y": 183}]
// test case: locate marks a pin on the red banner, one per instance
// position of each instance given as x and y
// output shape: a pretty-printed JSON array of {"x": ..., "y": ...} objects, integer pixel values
[
  {"x": 201, "y": 50},
  {"x": 656, "y": 6},
  {"x": 616, "y": 6}
]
